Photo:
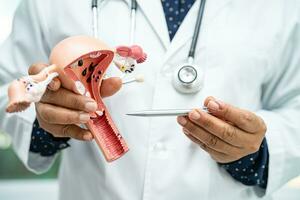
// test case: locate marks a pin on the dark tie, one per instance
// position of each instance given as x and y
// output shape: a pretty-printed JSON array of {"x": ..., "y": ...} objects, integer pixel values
[{"x": 175, "y": 12}]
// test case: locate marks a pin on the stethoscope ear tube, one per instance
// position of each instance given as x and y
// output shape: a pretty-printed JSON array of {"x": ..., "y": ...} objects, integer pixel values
[
  {"x": 132, "y": 21},
  {"x": 133, "y": 5},
  {"x": 94, "y": 4},
  {"x": 95, "y": 18},
  {"x": 133, "y": 17}
]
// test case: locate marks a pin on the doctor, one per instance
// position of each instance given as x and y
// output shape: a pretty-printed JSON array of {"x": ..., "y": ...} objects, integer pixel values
[{"x": 246, "y": 148}]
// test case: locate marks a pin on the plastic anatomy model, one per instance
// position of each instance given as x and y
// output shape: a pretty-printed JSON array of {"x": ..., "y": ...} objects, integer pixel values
[{"x": 80, "y": 63}]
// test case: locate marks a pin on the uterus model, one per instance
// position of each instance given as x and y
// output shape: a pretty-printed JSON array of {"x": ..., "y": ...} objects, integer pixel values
[{"x": 80, "y": 62}]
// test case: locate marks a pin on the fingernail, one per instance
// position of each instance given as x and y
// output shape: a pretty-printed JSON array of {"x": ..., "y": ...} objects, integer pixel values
[
  {"x": 212, "y": 105},
  {"x": 182, "y": 121},
  {"x": 195, "y": 115},
  {"x": 221, "y": 104},
  {"x": 91, "y": 106},
  {"x": 84, "y": 117},
  {"x": 93, "y": 115},
  {"x": 80, "y": 87},
  {"x": 88, "y": 137},
  {"x": 99, "y": 113},
  {"x": 51, "y": 85}
]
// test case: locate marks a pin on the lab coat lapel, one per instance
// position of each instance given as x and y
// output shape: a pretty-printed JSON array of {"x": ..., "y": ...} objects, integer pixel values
[
  {"x": 153, "y": 11},
  {"x": 186, "y": 29}
]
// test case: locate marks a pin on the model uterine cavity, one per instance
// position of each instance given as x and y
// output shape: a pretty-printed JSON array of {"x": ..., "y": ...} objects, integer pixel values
[{"x": 80, "y": 63}]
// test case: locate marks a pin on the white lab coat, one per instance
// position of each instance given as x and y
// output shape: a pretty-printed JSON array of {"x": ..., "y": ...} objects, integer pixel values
[{"x": 251, "y": 54}]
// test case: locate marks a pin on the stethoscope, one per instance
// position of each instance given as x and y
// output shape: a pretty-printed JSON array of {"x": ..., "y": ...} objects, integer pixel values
[
  {"x": 187, "y": 78},
  {"x": 133, "y": 10}
]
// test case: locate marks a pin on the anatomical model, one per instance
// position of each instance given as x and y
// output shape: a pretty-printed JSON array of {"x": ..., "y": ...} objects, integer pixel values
[{"x": 80, "y": 63}]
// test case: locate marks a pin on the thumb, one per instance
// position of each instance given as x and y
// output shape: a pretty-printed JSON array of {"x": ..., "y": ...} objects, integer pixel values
[
  {"x": 36, "y": 68},
  {"x": 110, "y": 86}
]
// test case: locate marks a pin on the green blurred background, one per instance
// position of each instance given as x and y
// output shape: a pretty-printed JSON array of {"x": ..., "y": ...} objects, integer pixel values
[{"x": 12, "y": 168}]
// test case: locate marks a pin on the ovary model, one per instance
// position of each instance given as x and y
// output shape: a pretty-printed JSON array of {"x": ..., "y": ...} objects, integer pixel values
[{"x": 80, "y": 63}]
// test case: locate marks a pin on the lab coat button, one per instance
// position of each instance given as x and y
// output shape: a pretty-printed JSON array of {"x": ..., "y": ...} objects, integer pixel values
[{"x": 159, "y": 146}]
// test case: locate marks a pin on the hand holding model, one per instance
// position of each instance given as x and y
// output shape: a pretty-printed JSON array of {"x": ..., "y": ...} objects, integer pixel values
[
  {"x": 60, "y": 109},
  {"x": 75, "y": 91}
]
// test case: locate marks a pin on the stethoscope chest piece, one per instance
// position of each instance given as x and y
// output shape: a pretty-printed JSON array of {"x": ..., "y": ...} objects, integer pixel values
[{"x": 188, "y": 78}]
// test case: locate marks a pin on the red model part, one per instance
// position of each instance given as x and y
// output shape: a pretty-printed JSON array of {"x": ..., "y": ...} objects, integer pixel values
[{"x": 89, "y": 69}]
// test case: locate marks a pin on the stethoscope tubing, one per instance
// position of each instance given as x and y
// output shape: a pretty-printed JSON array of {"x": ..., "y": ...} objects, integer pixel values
[
  {"x": 191, "y": 54},
  {"x": 197, "y": 29},
  {"x": 133, "y": 9}
]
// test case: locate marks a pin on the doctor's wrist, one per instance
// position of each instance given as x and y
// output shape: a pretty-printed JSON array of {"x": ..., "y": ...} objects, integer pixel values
[
  {"x": 45, "y": 143},
  {"x": 251, "y": 170}
]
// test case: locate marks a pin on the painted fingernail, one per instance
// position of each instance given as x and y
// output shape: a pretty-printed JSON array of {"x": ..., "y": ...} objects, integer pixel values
[
  {"x": 212, "y": 105},
  {"x": 84, "y": 117},
  {"x": 195, "y": 115},
  {"x": 91, "y": 106},
  {"x": 181, "y": 120}
]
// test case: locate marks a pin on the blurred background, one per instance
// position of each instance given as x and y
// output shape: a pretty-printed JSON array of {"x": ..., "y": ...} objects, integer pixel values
[{"x": 16, "y": 183}]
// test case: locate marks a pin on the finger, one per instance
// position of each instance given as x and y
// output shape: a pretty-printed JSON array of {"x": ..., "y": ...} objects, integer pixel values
[
  {"x": 208, "y": 99},
  {"x": 218, "y": 127},
  {"x": 36, "y": 68},
  {"x": 68, "y": 99},
  {"x": 74, "y": 131},
  {"x": 110, "y": 86},
  {"x": 209, "y": 139},
  {"x": 217, "y": 156},
  {"x": 70, "y": 130},
  {"x": 54, "y": 85},
  {"x": 213, "y": 141},
  {"x": 243, "y": 119},
  {"x": 59, "y": 115}
]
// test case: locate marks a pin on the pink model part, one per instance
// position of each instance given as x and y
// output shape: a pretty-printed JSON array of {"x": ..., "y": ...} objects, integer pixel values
[
  {"x": 128, "y": 56},
  {"x": 135, "y": 52},
  {"x": 82, "y": 63}
]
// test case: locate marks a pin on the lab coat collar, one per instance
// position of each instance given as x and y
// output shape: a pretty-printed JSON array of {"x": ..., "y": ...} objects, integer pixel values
[
  {"x": 154, "y": 12},
  {"x": 186, "y": 30}
]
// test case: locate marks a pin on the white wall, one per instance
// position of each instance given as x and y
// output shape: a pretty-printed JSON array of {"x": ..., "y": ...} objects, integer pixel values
[{"x": 7, "y": 9}]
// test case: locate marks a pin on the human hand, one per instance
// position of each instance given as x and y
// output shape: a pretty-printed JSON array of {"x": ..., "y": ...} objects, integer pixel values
[
  {"x": 227, "y": 133},
  {"x": 61, "y": 110}
]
